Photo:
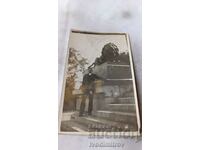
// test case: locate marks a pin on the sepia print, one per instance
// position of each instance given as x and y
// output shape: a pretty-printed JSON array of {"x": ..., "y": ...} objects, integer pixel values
[{"x": 99, "y": 91}]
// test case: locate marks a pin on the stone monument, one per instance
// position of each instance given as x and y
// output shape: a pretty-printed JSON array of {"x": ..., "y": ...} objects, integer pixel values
[{"x": 113, "y": 102}]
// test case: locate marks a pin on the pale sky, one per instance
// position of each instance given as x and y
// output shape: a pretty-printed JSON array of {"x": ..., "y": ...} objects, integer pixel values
[{"x": 90, "y": 45}]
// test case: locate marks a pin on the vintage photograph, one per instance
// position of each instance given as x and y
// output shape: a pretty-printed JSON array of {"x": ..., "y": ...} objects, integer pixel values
[{"x": 99, "y": 91}]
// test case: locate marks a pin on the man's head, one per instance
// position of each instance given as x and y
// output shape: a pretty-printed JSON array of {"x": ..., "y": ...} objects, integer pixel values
[{"x": 90, "y": 71}]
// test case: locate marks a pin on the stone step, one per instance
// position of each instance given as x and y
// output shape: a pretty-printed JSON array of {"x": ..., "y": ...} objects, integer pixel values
[
  {"x": 119, "y": 100},
  {"x": 122, "y": 107},
  {"x": 73, "y": 126},
  {"x": 117, "y": 116},
  {"x": 125, "y": 100},
  {"x": 100, "y": 124}
]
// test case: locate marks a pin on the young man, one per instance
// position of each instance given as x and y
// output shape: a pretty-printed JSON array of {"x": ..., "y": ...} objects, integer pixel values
[{"x": 88, "y": 88}]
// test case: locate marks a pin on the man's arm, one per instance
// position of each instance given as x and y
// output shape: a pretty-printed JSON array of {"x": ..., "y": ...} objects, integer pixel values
[{"x": 84, "y": 80}]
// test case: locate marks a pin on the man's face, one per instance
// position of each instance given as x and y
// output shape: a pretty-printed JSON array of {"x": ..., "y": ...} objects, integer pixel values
[{"x": 90, "y": 72}]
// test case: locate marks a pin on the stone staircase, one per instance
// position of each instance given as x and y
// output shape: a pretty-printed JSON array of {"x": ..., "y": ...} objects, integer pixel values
[{"x": 113, "y": 114}]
